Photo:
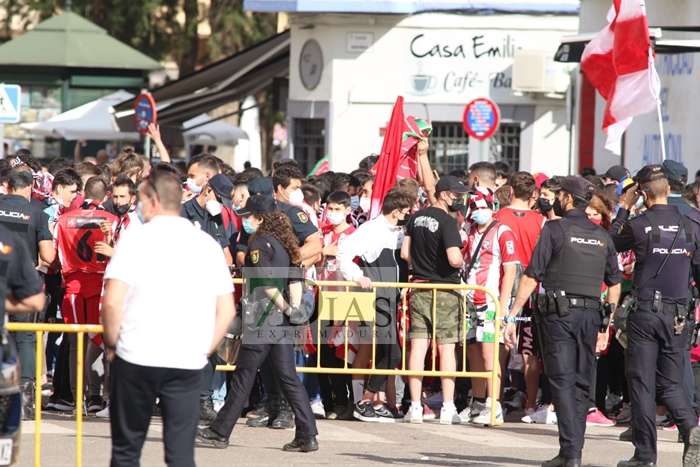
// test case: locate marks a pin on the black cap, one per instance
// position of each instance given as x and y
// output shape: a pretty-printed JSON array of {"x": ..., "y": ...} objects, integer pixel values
[
  {"x": 650, "y": 173},
  {"x": 261, "y": 186},
  {"x": 675, "y": 171},
  {"x": 257, "y": 203},
  {"x": 577, "y": 186},
  {"x": 451, "y": 183},
  {"x": 223, "y": 187},
  {"x": 616, "y": 172}
]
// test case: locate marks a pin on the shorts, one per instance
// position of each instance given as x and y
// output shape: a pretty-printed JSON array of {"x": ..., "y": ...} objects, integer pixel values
[
  {"x": 526, "y": 335},
  {"x": 481, "y": 325},
  {"x": 448, "y": 311}
]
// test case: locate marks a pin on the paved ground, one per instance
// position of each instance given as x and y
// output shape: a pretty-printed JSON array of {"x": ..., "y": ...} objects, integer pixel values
[{"x": 348, "y": 443}]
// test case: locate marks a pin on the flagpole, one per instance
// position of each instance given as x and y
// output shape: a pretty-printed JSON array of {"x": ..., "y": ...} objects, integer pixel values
[{"x": 659, "y": 116}]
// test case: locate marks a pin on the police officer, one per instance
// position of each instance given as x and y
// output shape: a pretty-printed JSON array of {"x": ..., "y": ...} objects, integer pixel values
[
  {"x": 268, "y": 333},
  {"x": 663, "y": 240},
  {"x": 32, "y": 225},
  {"x": 572, "y": 259}
]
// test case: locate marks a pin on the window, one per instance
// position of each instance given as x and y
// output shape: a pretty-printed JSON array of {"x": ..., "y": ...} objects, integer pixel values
[
  {"x": 505, "y": 145},
  {"x": 309, "y": 142},
  {"x": 449, "y": 147}
]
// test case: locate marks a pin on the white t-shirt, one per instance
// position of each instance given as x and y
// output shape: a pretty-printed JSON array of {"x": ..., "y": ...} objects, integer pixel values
[{"x": 169, "y": 312}]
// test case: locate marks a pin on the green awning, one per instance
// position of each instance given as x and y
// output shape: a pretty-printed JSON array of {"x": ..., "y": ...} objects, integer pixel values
[{"x": 69, "y": 40}]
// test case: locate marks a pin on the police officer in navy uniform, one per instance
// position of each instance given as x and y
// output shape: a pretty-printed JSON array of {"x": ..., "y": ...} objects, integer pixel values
[
  {"x": 268, "y": 324},
  {"x": 572, "y": 259},
  {"x": 666, "y": 245}
]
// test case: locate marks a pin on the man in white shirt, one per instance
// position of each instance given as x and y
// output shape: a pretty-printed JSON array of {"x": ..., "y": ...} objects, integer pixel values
[{"x": 158, "y": 335}]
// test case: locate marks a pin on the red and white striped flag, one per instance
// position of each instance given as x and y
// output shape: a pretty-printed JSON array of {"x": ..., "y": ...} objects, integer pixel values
[{"x": 618, "y": 63}]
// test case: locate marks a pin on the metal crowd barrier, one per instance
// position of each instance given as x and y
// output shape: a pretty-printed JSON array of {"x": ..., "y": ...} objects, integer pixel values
[{"x": 363, "y": 299}]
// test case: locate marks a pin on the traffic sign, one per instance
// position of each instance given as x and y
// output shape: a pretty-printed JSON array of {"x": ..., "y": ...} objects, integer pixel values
[
  {"x": 10, "y": 102},
  {"x": 145, "y": 112},
  {"x": 481, "y": 118}
]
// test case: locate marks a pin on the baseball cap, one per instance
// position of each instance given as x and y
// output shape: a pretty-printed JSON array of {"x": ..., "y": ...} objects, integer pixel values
[
  {"x": 261, "y": 186},
  {"x": 540, "y": 178},
  {"x": 577, "y": 186},
  {"x": 616, "y": 172},
  {"x": 450, "y": 183},
  {"x": 223, "y": 187},
  {"x": 257, "y": 203},
  {"x": 650, "y": 173},
  {"x": 675, "y": 171}
]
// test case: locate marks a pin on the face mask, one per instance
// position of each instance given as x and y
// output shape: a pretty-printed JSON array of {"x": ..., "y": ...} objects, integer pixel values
[
  {"x": 421, "y": 195},
  {"x": 121, "y": 210},
  {"x": 544, "y": 205},
  {"x": 59, "y": 199},
  {"x": 139, "y": 212},
  {"x": 354, "y": 202},
  {"x": 558, "y": 209},
  {"x": 402, "y": 222},
  {"x": 192, "y": 185},
  {"x": 640, "y": 202},
  {"x": 336, "y": 218},
  {"x": 457, "y": 205},
  {"x": 482, "y": 216},
  {"x": 596, "y": 221},
  {"x": 365, "y": 204},
  {"x": 248, "y": 226},
  {"x": 213, "y": 207}
]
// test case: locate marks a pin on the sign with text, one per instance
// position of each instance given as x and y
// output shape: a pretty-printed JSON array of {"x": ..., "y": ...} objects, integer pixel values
[
  {"x": 10, "y": 101},
  {"x": 346, "y": 306},
  {"x": 481, "y": 118}
]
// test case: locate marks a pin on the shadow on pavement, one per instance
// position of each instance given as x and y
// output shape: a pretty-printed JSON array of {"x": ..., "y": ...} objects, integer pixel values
[{"x": 447, "y": 460}]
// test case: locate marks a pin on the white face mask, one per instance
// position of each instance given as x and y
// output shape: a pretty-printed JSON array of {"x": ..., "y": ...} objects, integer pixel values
[
  {"x": 365, "y": 204},
  {"x": 336, "y": 218},
  {"x": 213, "y": 207},
  {"x": 192, "y": 185},
  {"x": 296, "y": 197}
]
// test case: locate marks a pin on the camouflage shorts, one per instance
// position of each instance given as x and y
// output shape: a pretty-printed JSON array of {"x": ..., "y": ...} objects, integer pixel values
[{"x": 448, "y": 310}]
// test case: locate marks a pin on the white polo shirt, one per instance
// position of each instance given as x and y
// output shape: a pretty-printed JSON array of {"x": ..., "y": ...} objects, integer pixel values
[{"x": 169, "y": 309}]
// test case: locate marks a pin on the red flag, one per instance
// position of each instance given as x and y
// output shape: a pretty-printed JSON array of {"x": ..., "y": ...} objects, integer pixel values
[
  {"x": 387, "y": 166},
  {"x": 620, "y": 66}
]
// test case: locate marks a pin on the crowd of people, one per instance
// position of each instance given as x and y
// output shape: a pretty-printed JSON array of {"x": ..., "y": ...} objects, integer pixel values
[{"x": 482, "y": 225}]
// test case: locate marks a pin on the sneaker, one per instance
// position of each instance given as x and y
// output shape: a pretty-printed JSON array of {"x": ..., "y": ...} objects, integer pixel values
[
  {"x": 428, "y": 413},
  {"x": 528, "y": 416},
  {"x": 670, "y": 428},
  {"x": 484, "y": 418},
  {"x": 103, "y": 413},
  {"x": 258, "y": 412},
  {"x": 208, "y": 436},
  {"x": 385, "y": 414},
  {"x": 662, "y": 420},
  {"x": 596, "y": 418},
  {"x": 611, "y": 400},
  {"x": 509, "y": 394},
  {"x": 218, "y": 405},
  {"x": 544, "y": 415},
  {"x": 449, "y": 416},
  {"x": 63, "y": 406},
  {"x": 364, "y": 412},
  {"x": 318, "y": 410},
  {"x": 470, "y": 412},
  {"x": 518, "y": 402},
  {"x": 347, "y": 415},
  {"x": 625, "y": 415},
  {"x": 414, "y": 415},
  {"x": 336, "y": 412},
  {"x": 95, "y": 404},
  {"x": 434, "y": 400}
]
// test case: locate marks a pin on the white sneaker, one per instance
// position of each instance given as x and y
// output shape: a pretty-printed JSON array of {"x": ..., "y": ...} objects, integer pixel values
[
  {"x": 449, "y": 416},
  {"x": 519, "y": 400},
  {"x": 414, "y": 415},
  {"x": 528, "y": 413},
  {"x": 318, "y": 410},
  {"x": 484, "y": 418},
  {"x": 470, "y": 412},
  {"x": 544, "y": 415},
  {"x": 217, "y": 406},
  {"x": 103, "y": 413}
]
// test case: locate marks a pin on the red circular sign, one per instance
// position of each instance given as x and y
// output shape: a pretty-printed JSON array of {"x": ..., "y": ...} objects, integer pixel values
[
  {"x": 481, "y": 118},
  {"x": 145, "y": 112}
]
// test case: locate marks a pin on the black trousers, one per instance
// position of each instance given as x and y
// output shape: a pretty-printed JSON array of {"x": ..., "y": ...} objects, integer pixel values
[
  {"x": 26, "y": 348},
  {"x": 654, "y": 366},
  {"x": 387, "y": 357},
  {"x": 334, "y": 388},
  {"x": 133, "y": 392},
  {"x": 250, "y": 358},
  {"x": 569, "y": 354}
]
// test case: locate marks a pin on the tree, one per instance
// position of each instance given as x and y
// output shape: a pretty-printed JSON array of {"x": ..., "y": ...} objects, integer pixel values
[{"x": 233, "y": 29}]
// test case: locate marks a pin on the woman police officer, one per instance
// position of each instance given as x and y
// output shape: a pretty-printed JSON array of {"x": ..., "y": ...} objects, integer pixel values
[{"x": 271, "y": 256}]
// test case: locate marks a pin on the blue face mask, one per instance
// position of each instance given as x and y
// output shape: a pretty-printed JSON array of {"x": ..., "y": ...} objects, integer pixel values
[
  {"x": 139, "y": 213},
  {"x": 354, "y": 202},
  {"x": 482, "y": 216},
  {"x": 248, "y": 226}
]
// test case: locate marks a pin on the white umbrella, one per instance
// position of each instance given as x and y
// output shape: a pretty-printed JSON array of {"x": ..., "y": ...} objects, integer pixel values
[
  {"x": 89, "y": 121},
  {"x": 214, "y": 133}
]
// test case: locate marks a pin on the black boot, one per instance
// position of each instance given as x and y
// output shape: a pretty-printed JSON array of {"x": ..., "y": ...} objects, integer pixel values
[
  {"x": 626, "y": 435},
  {"x": 634, "y": 462},
  {"x": 691, "y": 452},
  {"x": 273, "y": 408},
  {"x": 302, "y": 445},
  {"x": 206, "y": 409},
  {"x": 28, "y": 404},
  {"x": 285, "y": 418},
  {"x": 208, "y": 436},
  {"x": 561, "y": 461}
]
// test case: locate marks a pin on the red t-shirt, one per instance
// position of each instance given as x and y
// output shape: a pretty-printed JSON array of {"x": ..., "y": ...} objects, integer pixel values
[{"x": 526, "y": 224}]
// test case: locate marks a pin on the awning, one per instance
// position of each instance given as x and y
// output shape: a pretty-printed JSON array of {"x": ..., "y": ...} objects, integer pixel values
[
  {"x": 225, "y": 81},
  {"x": 571, "y": 47}
]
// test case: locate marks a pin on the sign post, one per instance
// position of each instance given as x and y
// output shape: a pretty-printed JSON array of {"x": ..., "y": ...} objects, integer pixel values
[
  {"x": 145, "y": 113},
  {"x": 481, "y": 120},
  {"x": 10, "y": 102}
]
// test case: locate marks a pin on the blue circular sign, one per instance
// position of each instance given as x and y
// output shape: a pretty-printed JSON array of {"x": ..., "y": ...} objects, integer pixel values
[
  {"x": 145, "y": 112},
  {"x": 481, "y": 118}
]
